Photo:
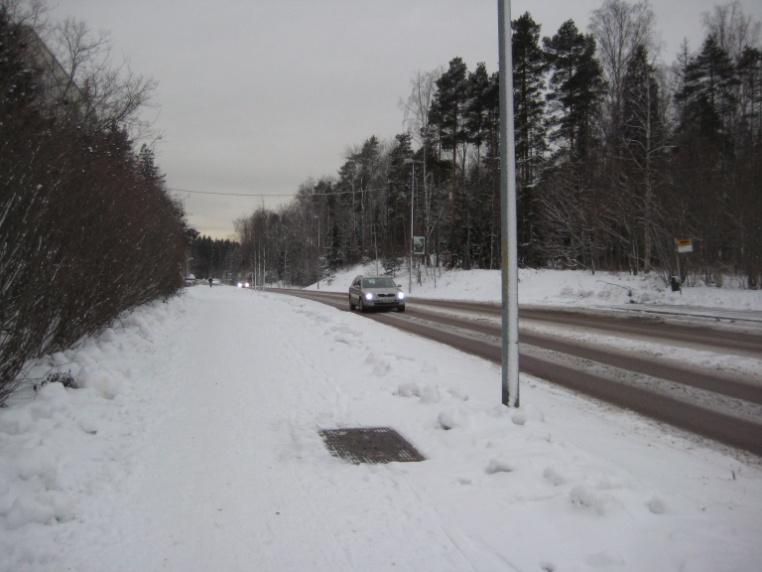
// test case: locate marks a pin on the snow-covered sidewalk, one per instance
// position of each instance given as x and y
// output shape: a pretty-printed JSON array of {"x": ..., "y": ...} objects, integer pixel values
[{"x": 194, "y": 446}]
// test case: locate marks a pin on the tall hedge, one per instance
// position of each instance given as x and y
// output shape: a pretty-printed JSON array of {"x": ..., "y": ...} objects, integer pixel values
[{"x": 87, "y": 230}]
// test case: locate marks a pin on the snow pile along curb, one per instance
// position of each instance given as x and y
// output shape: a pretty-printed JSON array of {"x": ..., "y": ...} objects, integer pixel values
[
  {"x": 60, "y": 447},
  {"x": 564, "y": 288}
]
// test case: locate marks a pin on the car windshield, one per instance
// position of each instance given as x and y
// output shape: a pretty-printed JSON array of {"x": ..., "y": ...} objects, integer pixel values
[{"x": 382, "y": 282}]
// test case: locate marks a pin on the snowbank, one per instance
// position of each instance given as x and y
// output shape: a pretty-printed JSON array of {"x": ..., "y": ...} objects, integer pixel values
[
  {"x": 563, "y": 287},
  {"x": 60, "y": 448}
]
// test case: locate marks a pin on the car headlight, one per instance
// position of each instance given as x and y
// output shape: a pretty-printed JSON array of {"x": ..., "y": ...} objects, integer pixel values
[
  {"x": 240, "y": 285},
  {"x": 369, "y": 296},
  {"x": 400, "y": 295},
  {"x": 247, "y": 285}
]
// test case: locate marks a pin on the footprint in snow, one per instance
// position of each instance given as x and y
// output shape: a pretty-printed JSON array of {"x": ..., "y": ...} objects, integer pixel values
[
  {"x": 582, "y": 498},
  {"x": 498, "y": 466},
  {"x": 656, "y": 506},
  {"x": 553, "y": 477},
  {"x": 451, "y": 419},
  {"x": 408, "y": 389}
]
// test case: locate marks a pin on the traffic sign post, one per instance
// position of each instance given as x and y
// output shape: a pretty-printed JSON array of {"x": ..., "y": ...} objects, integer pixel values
[
  {"x": 682, "y": 246},
  {"x": 419, "y": 245}
]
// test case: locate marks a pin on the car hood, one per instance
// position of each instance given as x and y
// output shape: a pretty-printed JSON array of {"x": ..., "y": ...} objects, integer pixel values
[{"x": 382, "y": 290}]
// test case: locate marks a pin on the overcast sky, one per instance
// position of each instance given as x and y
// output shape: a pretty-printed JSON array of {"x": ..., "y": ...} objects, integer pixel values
[{"x": 256, "y": 96}]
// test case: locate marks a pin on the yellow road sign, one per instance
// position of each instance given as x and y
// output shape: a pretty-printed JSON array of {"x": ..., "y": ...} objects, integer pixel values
[{"x": 684, "y": 245}]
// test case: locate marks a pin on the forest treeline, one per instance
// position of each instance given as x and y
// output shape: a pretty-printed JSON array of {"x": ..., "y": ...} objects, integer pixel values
[
  {"x": 213, "y": 257},
  {"x": 617, "y": 156},
  {"x": 86, "y": 227}
]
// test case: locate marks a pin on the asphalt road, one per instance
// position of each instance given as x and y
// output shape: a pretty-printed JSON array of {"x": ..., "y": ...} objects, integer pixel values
[{"x": 716, "y": 405}]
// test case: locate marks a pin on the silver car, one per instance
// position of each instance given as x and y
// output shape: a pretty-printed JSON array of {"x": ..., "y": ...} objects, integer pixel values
[{"x": 375, "y": 292}]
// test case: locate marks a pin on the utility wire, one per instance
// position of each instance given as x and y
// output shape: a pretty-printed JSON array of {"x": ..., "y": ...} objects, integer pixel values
[
  {"x": 283, "y": 195},
  {"x": 255, "y": 195}
]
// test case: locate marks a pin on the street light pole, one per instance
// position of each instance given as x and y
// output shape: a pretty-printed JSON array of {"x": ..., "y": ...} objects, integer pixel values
[
  {"x": 412, "y": 206},
  {"x": 412, "y": 162},
  {"x": 508, "y": 234},
  {"x": 318, "y": 250},
  {"x": 375, "y": 245}
]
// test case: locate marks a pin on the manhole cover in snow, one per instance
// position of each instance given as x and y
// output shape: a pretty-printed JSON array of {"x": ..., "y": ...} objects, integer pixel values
[{"x": 370, "y": 445}]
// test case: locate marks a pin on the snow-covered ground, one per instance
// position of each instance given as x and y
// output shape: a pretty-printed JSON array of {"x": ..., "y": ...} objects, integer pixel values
[
  {"x": 564, "y": 287},
  {"x": 193, "y": 446}
]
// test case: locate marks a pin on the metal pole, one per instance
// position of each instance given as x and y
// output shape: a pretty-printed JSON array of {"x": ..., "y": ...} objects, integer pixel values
[
  {"x": 677, "y": 258},
  {"x": 412, "y": 203},
  {"x": 318, "y": 253},
  {"x": 375, "y": 246},
  {"x": 508, "y": 234}
]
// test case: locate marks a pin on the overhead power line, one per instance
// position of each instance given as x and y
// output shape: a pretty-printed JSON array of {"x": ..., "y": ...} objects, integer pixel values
[
  {"x": 276, "y": 195},
  {"x": 254, "y": 195}
]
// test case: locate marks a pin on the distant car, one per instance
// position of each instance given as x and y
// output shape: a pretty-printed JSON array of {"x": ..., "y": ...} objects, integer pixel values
[
  {"x": 243, "y": 284},
  {"x": 375, "y": 293}
]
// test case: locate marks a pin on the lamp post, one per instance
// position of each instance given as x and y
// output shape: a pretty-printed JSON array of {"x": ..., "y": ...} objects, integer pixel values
[
  {"x": 412, "y": 162},
  {"x": 317, "y": 217},
  {"x": 375, "y": 246},
  {"x": 508, "y": 235}
]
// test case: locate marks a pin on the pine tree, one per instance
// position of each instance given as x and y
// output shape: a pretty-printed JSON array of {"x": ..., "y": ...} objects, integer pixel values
[
  {"x": 704, "y": 163},
  {"x": 749, "y": 70},
  {"x": 580, "y": 226},
  {"x": 529, "y": 111},
  {"x": 474, "y": 205},
  {"x": 529, "y": 106},
  {"x": 447, "y": 117},
  {"x": 746, "y": 201},
  {"x": 576, "y": 88},
  {"x": 448, "y": 108},
  {"x": 398, "y": 198},
  {"x": 367, "y": 170},
  {"x": 349, "y": 201},
  {"x": 476, "y": 112},
  {"x": 706, "y": 100}
]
